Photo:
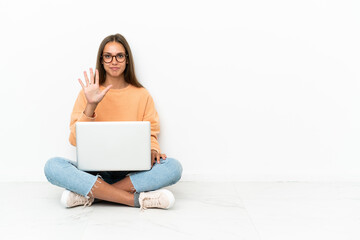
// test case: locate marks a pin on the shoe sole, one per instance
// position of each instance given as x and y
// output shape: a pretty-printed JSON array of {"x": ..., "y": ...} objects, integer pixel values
[{"x": 170, "y": 196}]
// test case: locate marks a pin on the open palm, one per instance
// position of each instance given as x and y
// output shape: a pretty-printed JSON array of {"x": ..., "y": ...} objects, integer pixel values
[{"x": 91, "y": 88}]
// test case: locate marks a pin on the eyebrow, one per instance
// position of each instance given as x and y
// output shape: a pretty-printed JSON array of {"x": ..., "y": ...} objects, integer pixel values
[{"x": 115, "y": 53}]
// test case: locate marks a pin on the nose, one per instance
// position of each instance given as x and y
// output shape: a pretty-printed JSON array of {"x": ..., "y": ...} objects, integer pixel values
[{"x": 114, "y": 61}]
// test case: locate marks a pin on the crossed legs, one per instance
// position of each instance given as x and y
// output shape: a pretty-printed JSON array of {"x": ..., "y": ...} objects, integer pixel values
[
  {"x": 119, "y": 192},
  {"x": 61, "y": 172}
]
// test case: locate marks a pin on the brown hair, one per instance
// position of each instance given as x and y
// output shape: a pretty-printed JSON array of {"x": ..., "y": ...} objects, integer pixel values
[{"x": 129, "y": 72}]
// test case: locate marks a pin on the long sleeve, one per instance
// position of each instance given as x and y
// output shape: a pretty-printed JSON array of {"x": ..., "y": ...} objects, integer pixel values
[
  {"x": 152, "y": 116},
  {"x": 78, "y": 115}
]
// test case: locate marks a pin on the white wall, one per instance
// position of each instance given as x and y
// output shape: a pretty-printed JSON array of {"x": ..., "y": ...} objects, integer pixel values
[{"x": 246, "y": 90}]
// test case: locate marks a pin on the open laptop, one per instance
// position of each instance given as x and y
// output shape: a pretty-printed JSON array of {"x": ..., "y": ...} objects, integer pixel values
[{"x": 113, "y": 146}]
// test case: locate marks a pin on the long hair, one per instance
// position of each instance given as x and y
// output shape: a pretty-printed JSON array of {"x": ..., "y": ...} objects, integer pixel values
[{"x": 129, "y": 72}]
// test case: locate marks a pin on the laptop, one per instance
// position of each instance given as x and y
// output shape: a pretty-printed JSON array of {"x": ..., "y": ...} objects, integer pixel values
[{"x": 113, "y": 146}]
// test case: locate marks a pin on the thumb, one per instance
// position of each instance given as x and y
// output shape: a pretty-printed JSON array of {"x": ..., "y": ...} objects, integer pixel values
[{"x": 106, "y": 89}]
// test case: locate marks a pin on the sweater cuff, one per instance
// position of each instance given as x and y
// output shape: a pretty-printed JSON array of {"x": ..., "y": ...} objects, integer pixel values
[
  {"x": 84, "y": 118},
  {"x": 155, "y": 150}
]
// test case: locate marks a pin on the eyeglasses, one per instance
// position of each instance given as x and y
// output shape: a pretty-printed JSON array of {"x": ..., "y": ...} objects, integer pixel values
[{"x": 109, "y": 58}]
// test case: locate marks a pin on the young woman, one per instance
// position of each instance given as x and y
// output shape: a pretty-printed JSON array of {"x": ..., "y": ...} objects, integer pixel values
[{"x": 113, "y": 93}]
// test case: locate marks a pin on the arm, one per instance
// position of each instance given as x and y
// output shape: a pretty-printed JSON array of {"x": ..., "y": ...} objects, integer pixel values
[
  {"x": 152, "y": 116},
  {"x": 86, "y": 103},
  {"x": 79, "y": 115}
]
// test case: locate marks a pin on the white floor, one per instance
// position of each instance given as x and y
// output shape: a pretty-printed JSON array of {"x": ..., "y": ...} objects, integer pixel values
[{"x": 203, "y": 210}]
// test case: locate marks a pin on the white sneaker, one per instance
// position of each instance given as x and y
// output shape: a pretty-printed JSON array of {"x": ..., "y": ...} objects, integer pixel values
[
  {"x": 162, "y": 198},
  {"x": 71, "y": 199}
]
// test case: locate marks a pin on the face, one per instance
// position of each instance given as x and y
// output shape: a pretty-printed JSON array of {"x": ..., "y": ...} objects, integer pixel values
[{"x": 114, "y": 68}]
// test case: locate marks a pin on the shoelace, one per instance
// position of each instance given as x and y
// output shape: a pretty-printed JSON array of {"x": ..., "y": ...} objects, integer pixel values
[
  {"x": 151, "y": 201},
  {"x": 80, "y": 200},
  {"x": 88, "y": 202}
]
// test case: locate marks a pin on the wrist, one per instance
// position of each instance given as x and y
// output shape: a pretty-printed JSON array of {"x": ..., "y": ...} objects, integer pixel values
[
  {"x": 90, "y": 109},
  {"x": 91, "y": 105}
]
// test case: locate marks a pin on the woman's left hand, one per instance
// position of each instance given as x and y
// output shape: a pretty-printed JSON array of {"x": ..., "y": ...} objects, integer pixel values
[{"x": 155, "y": 157}]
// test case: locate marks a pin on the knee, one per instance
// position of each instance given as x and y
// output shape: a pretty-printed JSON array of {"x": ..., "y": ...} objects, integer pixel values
[
  {"x": 174, "y": 169},
  {"x": 52, "y": 166}
]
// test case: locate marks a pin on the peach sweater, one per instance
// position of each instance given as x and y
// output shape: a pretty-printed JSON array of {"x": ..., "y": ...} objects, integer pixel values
[{"x": 127, "y": 104}]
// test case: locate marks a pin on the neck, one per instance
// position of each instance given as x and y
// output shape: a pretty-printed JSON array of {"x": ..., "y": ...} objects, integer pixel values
[{"x": 116, "y": 82}]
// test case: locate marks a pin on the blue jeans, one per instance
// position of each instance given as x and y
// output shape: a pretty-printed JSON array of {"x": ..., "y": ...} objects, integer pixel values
[{"x": 61, "y": 172}]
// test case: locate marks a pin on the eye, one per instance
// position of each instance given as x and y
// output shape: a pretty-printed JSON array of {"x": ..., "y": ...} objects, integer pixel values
[
  {"x": 120, "y": 55},
  {"x": 107, "y": 56}
]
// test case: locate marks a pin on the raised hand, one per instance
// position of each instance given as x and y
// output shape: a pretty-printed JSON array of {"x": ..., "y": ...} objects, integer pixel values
[{"x": 91, "y": 88}]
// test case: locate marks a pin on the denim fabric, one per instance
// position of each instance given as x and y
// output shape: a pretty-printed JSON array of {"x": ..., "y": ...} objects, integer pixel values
[
  {"x": 167, "y": 173},
  {"x": 61, "y": 172}
]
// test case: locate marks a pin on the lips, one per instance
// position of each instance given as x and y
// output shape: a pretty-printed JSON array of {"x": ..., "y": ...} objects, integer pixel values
[{"x": 114, "y": 69}]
